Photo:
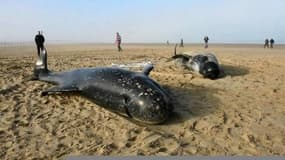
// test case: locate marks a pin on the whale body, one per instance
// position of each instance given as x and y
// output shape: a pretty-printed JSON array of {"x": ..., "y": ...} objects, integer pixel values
[
  {"x": 205, "y": 64},
  {"x": 128, "y": 93}
]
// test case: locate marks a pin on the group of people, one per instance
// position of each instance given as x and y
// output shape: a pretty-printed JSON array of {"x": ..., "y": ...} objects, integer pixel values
[
  {"x": 206, "y": 40},
  {"x": 39, "y": 39},
  {"x": 269, "y": 43}
]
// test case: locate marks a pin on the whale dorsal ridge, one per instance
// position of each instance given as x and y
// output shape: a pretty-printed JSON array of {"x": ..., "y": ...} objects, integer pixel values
[{"x": 147, "y": 69}]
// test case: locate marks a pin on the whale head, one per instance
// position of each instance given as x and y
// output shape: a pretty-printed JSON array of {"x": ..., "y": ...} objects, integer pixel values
[
  {"x": 148, "y": 102},
  {"x": 210, "y": 70}
]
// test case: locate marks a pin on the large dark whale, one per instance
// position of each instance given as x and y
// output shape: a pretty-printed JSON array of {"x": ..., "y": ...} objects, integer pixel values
[
  {"x": 128, "y": 93},
  {"x": 205, "y": 64}
]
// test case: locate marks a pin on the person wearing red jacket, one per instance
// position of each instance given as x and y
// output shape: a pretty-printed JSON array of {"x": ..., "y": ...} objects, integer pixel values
[{"x": 119, "y": 41}]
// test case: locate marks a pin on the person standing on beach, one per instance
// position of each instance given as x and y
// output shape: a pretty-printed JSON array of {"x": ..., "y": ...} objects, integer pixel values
[
  {"x": 206, "y": 40},
  {"x": 272, "y": 42},
  {"x": 39, "y": 39},
  {"x": 181, "y": 43},
  {"x": 119, "y": 41},
  {"x": 266, "y": 43}
]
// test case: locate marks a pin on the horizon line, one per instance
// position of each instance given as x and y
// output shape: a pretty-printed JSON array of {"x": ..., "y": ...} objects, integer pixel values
[{"x": 90, "y": 42}]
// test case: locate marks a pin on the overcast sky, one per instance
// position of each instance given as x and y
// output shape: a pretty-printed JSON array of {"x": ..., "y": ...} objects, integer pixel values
[{"x": 246, "y": 21}]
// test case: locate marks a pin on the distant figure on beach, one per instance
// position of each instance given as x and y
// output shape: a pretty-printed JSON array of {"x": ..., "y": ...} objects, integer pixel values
[
  {"x": 39, "y": 39},
  {"x": 167, "y": 42},
  {"x": 181, "y": 43},
  {"x": 272, "y": 42},
  {"x": 119, "y": 41},
  {"x": 206, "y": 40},
  {"x": 266, "y": 43}
]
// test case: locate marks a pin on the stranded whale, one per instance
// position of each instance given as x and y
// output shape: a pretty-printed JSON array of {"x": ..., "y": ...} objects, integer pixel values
[
  {"x": 205, "y": 64},
  {"x": 128, "y": 93}
]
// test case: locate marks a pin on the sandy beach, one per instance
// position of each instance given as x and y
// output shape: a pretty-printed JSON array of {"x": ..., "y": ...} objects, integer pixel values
[{"x": 241, "y": 113}]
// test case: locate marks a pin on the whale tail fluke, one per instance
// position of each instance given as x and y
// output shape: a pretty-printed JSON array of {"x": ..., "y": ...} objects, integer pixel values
[{"x": 41, "y": 65}]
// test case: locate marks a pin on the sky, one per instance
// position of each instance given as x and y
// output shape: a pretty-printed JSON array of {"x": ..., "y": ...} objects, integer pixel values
[{"x": 143, "y": 21}]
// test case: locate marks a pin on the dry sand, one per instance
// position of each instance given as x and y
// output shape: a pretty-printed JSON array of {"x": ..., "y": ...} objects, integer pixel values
[{"x": 242, "y": 113}]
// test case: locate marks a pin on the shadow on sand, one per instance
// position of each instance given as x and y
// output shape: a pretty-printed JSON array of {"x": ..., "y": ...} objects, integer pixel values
[
  {"x": 9, "y": 89},
  {"x": 190, "y": 101},
  {"x": 193, "y": 101},
  {"x": 231, "y": 70}
]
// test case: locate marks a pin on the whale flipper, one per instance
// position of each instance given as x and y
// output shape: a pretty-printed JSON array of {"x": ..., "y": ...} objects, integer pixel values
[
  {"x": 147, "y": 69},
  {"x": 59, "y": 89}
]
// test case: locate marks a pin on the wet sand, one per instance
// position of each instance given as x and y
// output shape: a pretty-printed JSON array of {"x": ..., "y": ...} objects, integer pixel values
[{"x": 242, "y": 113}]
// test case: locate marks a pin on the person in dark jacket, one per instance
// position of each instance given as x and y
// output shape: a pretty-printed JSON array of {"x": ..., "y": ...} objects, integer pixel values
[
  {"x": 266, "y": 43},
  {"x": 272, "y": 42},
  {"x": 181, "y": 43},
  {"x": 39, "y": 39},
  {"x": 206, "y": 40}
]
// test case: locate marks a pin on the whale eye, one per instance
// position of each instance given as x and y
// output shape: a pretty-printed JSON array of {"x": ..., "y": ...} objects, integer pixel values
[{"x": 126, "y": 99}]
